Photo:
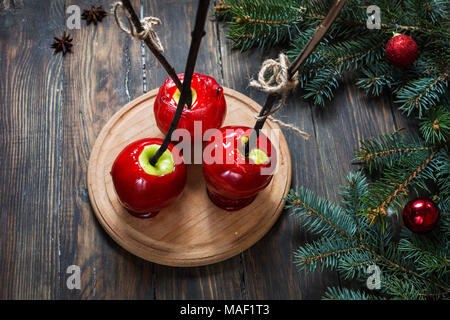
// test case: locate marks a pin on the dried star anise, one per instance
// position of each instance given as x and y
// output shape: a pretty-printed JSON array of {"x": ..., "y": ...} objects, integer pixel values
[
  {"x": 94, "y": 15},
  {"x": 63, "y": 44}
]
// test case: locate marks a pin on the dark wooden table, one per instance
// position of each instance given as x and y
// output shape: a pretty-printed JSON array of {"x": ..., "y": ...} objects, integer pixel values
[{"x": 51, "y": 111}]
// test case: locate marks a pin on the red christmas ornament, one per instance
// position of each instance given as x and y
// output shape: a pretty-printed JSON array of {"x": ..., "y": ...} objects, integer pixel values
[
  {"x": 401, "y": 50},
  {"x": 420, "y": 215}
]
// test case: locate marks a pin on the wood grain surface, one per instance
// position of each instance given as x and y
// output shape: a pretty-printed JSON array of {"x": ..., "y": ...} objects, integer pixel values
[{"x": 53, "y": 108}]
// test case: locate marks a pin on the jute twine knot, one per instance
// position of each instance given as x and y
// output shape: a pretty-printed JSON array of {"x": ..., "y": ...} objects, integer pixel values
[
  {"x": 147, "y": 25},
  {"x": 273, "y": 78}
]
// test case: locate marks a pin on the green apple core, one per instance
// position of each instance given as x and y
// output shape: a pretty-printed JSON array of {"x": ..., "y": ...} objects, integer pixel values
[
  {"x": 177, "y": 95},
  {"x": 164, "y": 165},
  {"x": 257, "y": 155}
]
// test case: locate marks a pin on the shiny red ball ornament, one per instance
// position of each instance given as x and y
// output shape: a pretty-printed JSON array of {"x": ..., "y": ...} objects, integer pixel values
[
  {"x": 401, "y": 51},
  {"x": 420, "y": 215}
]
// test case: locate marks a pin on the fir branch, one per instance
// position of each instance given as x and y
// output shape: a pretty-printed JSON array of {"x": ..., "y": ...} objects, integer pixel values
[
  {"x": 367, "y": 156},
  {"x": 323, "y": 85},
  {"x": 352, "y": 194},
  {"x": 435, "y": 125},
  {"x": 221, "y": 7},
  {"x": 435, "y": 294},
  {"x": 322, "y": 256},
  {"x": 248, "y": 12},
  {"x": 443, "y": 178},
  {"x": 413, "y": 287},
  {"x": 260, "y": 23},
  {"x": 354, "y": 265},
  {"x": 328, "y": 219},
  {"x": 444, "y": 222},
  {"x": 362, "y": 263},
  {"x": 266, "y": 23},
  {"x": 422, "y": 94},
  {"x": 337, "y": 293},
  {"x": 402, "y": 289},
  {"x": 350, "y": 253},
  {"x": 325, "y": 251},
  {"x": 249, "y": 20},
  {"x": 377, "y": 77},
  {"x": 330, "y": 60},
  {"x": 324, "y": 217},
  {"x": 389, "y": 263},
  {"x": 429, "y": 257},
  {"x": 386, "y": 151},
  {"x": 380, "y": 210}
]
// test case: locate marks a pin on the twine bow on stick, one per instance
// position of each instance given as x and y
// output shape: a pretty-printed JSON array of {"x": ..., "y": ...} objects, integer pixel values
[
  {"x": 147, "y": 25},
  {"x": 273, "y": 78}
]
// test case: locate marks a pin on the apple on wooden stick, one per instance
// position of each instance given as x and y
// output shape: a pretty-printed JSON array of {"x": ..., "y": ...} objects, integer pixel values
[
  {"x": 150, "y": 174},
  {"x": 234, "y": 185},
  {"x": 232, "y": 179},
  {"x": 208, "y": 105},
  {"x": 144, "y": 189}
]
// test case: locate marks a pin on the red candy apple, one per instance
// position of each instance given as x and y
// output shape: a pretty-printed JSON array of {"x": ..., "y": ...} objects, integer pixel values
[
  {"x": 144, "y": 189},
  {"x": 232, "y": 180},
  {"x": 208, "y": 105}
]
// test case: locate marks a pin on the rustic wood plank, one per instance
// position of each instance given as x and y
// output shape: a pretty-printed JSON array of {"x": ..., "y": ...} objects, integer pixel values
[
  {"x": 401, "y": 120},
  {"x": 30, "y": 100},
  {"x": 217, "y": 281},
  {"x": 350, "y": 117},
  {"x": 102, "y": 74}
]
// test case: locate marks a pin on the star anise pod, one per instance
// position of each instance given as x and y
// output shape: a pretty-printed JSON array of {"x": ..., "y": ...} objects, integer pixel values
[
  {"x": 94, "y": 15},
  {"x": 63, "y": 44}
]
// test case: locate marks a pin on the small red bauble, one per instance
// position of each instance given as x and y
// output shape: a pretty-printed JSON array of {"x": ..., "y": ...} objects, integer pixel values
[
  {"x": 208, "y": 105},
  {"x": 401, "y": 51},
  {"x": 420, "y": 215}
]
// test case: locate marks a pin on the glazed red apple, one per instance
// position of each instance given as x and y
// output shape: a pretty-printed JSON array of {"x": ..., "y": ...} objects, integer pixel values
[
  {"x": 144, "y": 189},
  {"x": 208, "y": 105},
  {"x": 232, "y": 180}
]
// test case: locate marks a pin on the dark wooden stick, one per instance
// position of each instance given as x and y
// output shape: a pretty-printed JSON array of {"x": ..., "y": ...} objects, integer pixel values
[
  {"x": 158, "y": 55},
  {"x": 318, "y": 35},
  {"x": 197, "y": 35},
  {"x": 320, "y": 32}
]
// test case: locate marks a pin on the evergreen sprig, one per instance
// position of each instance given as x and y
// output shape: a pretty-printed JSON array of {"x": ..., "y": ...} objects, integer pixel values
[
  {"x": 414, "y": 267},
  {"x": 334, "y": 293},
  {"x": 422, "y": 94},
  {"x": 435, "y": 125},
  {"x": 386, "y": 151},
  {"x": 430, "y": 256},
  {"x": 403, "y": 164},
  {"x": 351, "y": 46},
  {"x": 262, "y": 24}
]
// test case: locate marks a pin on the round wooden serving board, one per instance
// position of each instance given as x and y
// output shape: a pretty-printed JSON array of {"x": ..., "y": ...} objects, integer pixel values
[{"x": 193, "y": 231}]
